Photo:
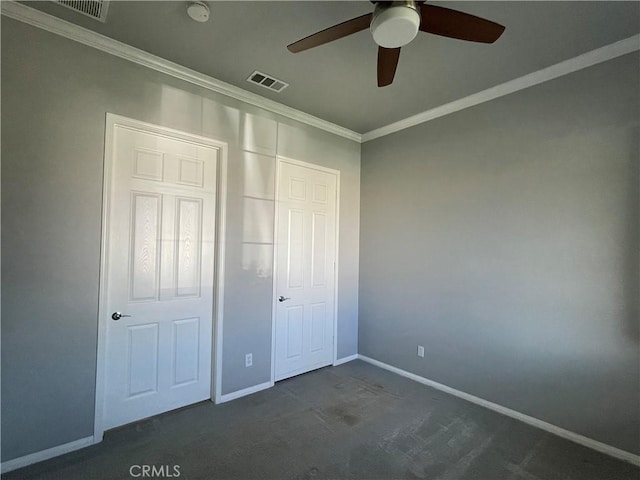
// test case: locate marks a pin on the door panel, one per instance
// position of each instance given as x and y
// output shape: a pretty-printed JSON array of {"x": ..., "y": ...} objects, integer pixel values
[
  {"x": 160, "y": 271},
  {"x": 294, "y": 333},
  {"x": 145, "y": 230},
  {"x": 142, "y": 359},
  {"x": 186, "y": 343},
  {"x": 306, "y": 247},
  {"x": 295, "y": 252},
  {"x": 189, "y": 247},
  {"x": 318, "y": 249},
  {"x": 318, "y": 324}
]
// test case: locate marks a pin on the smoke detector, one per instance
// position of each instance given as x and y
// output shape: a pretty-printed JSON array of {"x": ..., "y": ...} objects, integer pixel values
[{"x": 198, "y": 11}]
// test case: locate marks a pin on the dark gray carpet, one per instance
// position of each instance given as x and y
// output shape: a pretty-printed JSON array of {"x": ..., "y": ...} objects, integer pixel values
[{"x": 354, "y": 421}]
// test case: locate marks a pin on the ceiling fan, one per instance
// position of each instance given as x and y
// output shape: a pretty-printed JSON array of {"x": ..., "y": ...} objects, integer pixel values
[{"x": 395, "y": 24}]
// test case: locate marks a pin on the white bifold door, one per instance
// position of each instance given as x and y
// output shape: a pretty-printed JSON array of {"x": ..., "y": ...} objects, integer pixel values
[
  {"x": 305, "y": 273},
  {"x": 160, "y": 257}
]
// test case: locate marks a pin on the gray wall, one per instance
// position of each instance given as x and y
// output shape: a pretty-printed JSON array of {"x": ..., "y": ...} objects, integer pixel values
[
  {"x": 55, "y": 94},
  {"x": 504, "y": 238}
]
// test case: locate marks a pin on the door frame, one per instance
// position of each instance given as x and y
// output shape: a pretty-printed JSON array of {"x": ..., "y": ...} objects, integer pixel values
[
  {"x": 279, "y": 160},
  {"x": 113, "y": 121}
]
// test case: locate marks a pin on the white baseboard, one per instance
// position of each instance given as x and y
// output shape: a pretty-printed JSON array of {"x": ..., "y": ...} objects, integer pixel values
[
  {"x": 244, "y": 392},
  {"x": 342, "y": 360},
  {"x": 36, "y": 457},
  {"x": 548, "y": 427},
  {"x": 263, "y": 386}
]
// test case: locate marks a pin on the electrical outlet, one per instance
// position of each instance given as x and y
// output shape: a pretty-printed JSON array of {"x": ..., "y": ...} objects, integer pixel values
[
  {"x": 248, "y": 360},
  {"x": 420, "y": 351}
]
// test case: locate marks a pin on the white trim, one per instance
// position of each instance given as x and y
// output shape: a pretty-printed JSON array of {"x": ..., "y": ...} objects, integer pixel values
[
  {"x": 281, "y": 159},
  {"x": 244, "y": 392},
  {"x": 43, "y": 455},
  {"x": 342, "y": 360},
  {"x": 548, "y": 427},
  {"x": 585, "y": 60},
  {"x": 52, "y": 24},
  {"x": 313, "y": 166},
  {"x": 336, "y": 270},
  {"x": 111, "y": 122},
  {"x": 274, "y": 269},
  {"x": 98, "y": 417},
  {"x": 218, "y": 316}
]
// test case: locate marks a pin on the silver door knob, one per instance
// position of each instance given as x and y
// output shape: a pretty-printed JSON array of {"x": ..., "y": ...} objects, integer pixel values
[
  {"x": 282, "y": 299},
  {"x": 118, "y": 315}
]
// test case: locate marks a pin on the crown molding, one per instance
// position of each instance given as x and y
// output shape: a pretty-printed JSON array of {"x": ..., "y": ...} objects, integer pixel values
[
  {"x": 52, "y": 24},
  {"x": 585, "y": 60},
  {"x": 90, "y": 38}
]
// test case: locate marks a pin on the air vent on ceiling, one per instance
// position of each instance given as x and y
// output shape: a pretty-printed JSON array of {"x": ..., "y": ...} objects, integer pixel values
[
  {"x": 267, "y": 81},
  {"x": 96, "y": 9}
]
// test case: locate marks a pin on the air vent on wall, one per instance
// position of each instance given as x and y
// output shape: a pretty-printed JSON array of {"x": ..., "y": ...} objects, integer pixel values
[
  {"x": 96, "y": 9},
  {"x": 267, "y": 81}
]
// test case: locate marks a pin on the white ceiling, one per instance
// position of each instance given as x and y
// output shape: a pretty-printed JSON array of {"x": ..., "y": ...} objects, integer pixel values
[{"x": 337, "y": 81}]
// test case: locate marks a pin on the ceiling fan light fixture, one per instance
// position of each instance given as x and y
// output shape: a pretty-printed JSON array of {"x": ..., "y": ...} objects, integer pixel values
[{"x": 396, "y": 25}]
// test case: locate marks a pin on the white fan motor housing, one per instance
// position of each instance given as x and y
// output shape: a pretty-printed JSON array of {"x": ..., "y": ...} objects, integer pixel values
[{"x": 395, "y": 26}]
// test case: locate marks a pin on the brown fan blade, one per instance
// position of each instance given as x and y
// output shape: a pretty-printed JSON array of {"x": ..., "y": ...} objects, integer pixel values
[
  {"x": 455, "y": 24},
  {"x": 327, "y": 35},
  {"x": 387, "y": 63}
]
